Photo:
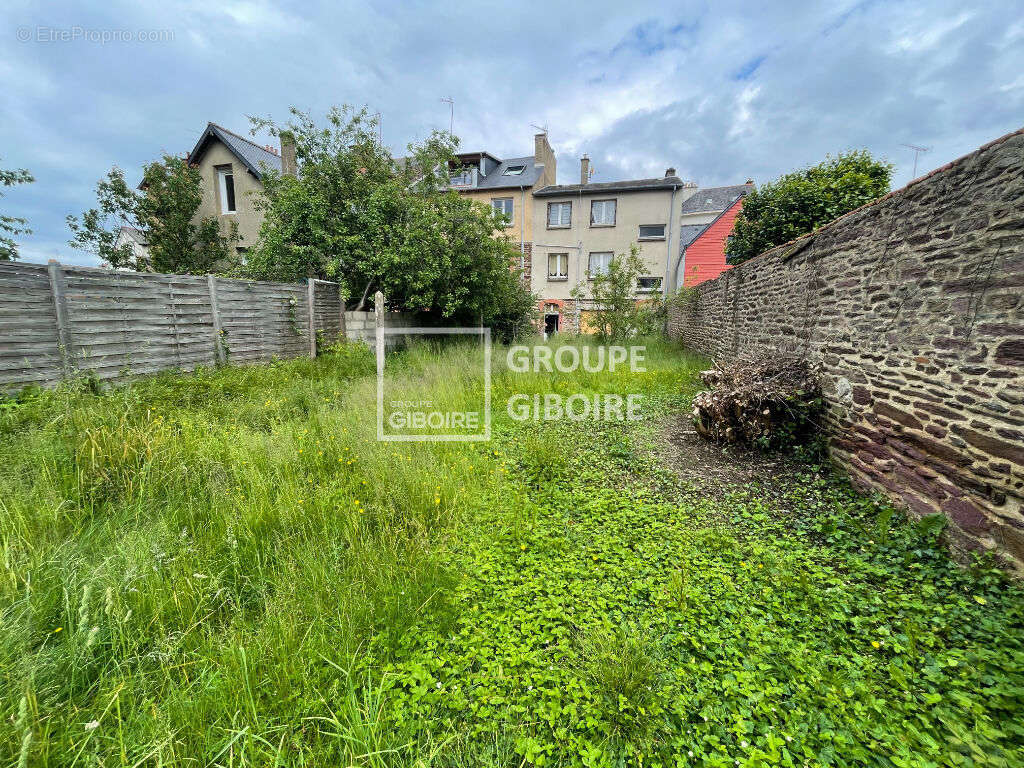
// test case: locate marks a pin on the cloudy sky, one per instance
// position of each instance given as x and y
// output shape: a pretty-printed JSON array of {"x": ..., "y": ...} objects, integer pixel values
[{"x": 720, "y": 91}]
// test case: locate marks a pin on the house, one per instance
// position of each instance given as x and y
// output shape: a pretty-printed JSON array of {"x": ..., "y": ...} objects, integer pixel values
[
  {"x": 232, "y": 169},
  {"x": 136, "y": 241},
  {"x": 579, "y": 228},
  {"x": 707, "y": 220},
  {"x": 508, "y": 186}
]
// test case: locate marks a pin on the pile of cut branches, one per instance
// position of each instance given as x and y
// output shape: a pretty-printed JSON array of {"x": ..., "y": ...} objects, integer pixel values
[{"x": 766, "y": 402}]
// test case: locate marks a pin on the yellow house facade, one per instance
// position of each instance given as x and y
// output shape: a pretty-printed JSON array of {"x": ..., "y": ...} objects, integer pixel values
[
  {"x": 579, "y": 228},
  {"x": 508, "y": 186},
  {"x": 232, "y": 169}
]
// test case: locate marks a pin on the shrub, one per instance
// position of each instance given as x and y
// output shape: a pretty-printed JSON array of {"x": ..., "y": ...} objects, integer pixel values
[
  {"x": 769, "y": 402},
  {"x": 802, "y": 201}
]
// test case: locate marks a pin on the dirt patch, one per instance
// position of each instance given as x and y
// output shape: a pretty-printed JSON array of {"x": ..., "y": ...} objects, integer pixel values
[{"x": 710, "y": 467}]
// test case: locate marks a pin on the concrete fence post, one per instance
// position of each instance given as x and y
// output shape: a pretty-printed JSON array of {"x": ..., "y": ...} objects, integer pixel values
[
  {"x": 343, "y": 331},
  {"x": 60, "y": 306},
  {"x": 218, "y": 342},
  {"x": 311, "y": 301},
  {"x": 378, "y": 317}
]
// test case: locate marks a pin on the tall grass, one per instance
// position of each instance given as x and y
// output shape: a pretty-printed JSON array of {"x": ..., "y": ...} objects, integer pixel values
[
  {"x": 191, "y": 561},
  {"x": 227, "y": 568}
]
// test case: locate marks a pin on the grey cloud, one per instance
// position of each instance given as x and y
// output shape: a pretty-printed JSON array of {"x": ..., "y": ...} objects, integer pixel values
[{"x": 721, "y": 91}]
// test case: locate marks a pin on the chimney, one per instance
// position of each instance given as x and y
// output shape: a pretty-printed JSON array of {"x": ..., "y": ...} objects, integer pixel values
[
  {"x": 670, "y": 172},
  {"x": 584, "y": 169},
  {"x": 288, "y": 164},
  {"x": 544, "y": 155}
]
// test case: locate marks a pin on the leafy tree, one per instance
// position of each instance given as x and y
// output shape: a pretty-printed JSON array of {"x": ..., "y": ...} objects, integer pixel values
[
  {"x": 356, "y": 215},
  {"x": 617, "y": 313},
  {"x": 164, "y": 210},
  {"x": 802, "y": 201},
  {"x": 12, "y": 225}
]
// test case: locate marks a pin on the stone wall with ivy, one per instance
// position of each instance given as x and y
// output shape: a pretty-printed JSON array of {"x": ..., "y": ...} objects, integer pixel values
[{"x": 914, "y": 306}]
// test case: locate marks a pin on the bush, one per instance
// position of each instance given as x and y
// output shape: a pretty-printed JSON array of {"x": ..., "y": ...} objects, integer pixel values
[
  {"x": 802, "y": 201},
  {"x": 769, "y": 402}
]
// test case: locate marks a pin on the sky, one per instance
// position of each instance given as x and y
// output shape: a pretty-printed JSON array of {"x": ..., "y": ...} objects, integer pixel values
[{"x": 720, "y": 91}]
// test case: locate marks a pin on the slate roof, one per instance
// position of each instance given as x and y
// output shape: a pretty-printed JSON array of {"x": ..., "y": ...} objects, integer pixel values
[
  {"x": 497, "y": 179},
  {"x": 595, "y": 188},
  {"x": 690, "y": 232},
  {"x": 715, "y": 198},
  {"x": 254, "y": 157}
]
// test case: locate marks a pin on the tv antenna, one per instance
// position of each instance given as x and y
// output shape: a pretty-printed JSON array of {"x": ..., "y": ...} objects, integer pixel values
[
  {"x": 917, "y": 150},
  {"x": 451, "y": 117},
  {"x": 542, "y": 128}
]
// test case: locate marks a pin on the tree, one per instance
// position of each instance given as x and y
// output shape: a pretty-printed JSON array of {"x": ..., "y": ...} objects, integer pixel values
[
  {"x": 10, "y": 226},
  {"x": 617, "y": 314},
  {"x": 164, "y": 210},
  {"x": 802, "y": 201},
  {"x": 356, "y": 215}
]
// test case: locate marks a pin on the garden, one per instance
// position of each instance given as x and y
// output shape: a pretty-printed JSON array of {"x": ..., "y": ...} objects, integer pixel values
[{"x": 227, "y": 568}]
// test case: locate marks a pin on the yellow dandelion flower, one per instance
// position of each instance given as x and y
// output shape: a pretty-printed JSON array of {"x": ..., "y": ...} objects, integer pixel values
[{"x": 875, "y": 644}]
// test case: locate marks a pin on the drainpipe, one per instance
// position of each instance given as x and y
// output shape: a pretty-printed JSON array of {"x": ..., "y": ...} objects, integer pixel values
[
  {"x": 681, "y": 266},
  {"x": 522, "y": 227},
  {"x": 668, "y": 238}
]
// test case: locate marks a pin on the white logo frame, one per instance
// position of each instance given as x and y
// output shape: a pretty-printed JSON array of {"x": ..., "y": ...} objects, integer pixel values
[{"x": 381, "y": 333}]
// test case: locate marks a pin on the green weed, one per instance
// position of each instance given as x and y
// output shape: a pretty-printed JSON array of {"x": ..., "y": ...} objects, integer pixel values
[{"x": 226, "y": 568}]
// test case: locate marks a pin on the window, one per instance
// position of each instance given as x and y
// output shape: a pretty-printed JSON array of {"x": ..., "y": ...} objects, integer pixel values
[
  {"x": 226, "y": 180},
  {"x": 514, "y": 170},
  {"x": 599, "y": 262},
  {"x": 503, "y": 207},
  {"x": 652, "y": 232},
  {"x": 559, "y": 215},
  {"x": 648, "y": 284},
  {"x": 558, "y": 266},
  {"x": 462, "y": 178},
  {"x": 602, "y": 213}
]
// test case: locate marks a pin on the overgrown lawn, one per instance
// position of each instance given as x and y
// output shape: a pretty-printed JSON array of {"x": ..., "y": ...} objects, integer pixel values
[{"x": 226, "y": 568}]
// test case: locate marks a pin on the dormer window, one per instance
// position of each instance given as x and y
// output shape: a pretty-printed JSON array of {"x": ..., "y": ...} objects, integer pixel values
[
  {"x": 514, "y": 170},
  {"x": 463, "y": 177}
]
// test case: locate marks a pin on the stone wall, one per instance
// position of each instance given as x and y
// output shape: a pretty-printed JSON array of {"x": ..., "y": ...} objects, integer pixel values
[{"x": 914, "y": 305}]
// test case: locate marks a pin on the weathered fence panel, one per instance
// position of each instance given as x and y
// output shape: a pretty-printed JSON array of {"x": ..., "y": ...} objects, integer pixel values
[
  {"x": 125, "y": 323},
  {"x": 260, "y": 321},
  {"x": 64, "y": 320},
  {"x": 30, "y": 350}
]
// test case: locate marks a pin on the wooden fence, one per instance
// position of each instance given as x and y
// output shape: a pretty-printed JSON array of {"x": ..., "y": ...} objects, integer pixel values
[{"x": 58, "y": 321}]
